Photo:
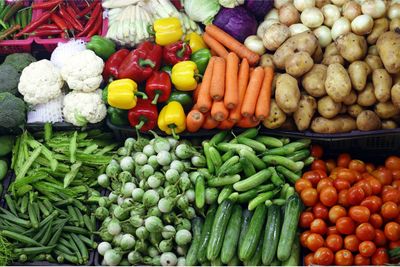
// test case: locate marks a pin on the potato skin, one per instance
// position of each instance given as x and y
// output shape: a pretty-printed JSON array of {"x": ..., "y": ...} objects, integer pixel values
[
  {"x": 333, "y": 59},
  {"x": 328, "y": 108},
  {"x": 287, "y": 93},
  {"x": 298, "y": 64},
  {"x": 354, "y": 110},
  {"x": 367, "y": 120},
  {"x": 318, "y": 55},
  {"x": 339, "y": 124},
  {"x": 388, "y": 45},
  {"x": 267, "y": 61},
  {"x": 276, "y": 116},
  {"x": 352, "y": 47},
  {"x": 395, "y": 93},
  {"x": 374, "y": 62},
  {"x": 351, "y": 98},
  {"x": 380, "y": 26},
  {"x": 386, "y": 110},
  {"x": 358, "y": 72},
  {"x": 314, "y": 80},
  {"x": 275, "y": 35},
  {"x": 303, "y": 115},
  {"x": 337, "y": 83},
  {"x": 382, "y": 82},
  {"x": 389, "y": 124},
  {"x": 367, "y": 97}
]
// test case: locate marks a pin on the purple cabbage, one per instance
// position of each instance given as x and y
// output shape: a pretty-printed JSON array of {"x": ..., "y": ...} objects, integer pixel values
[
  {"x": 259, "y": 8},
  {"x": 238, "y": 22}
]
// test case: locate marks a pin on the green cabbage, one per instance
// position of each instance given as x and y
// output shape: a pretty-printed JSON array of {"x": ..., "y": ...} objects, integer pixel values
[{"x": 202, "y": 11}]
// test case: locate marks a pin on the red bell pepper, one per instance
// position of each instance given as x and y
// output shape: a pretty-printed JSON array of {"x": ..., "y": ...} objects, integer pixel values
[
  {"x": 143, "y": 116},
  {"x": 141, "y": 62},
  {"x": 112, "y": 64},
  {"x": 176, "y": 52},
  {"x": 158, "y": 87}
]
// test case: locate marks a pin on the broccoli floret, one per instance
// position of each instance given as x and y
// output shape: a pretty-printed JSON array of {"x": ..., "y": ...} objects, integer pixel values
[
  {"x": 9, "y": 78},
  {"x": 19, "y": 60},
  {"x": 12, "y": 111}
]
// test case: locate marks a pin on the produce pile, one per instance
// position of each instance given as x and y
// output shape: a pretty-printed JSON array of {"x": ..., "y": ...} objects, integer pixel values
[{"x": 14, "y": 19}]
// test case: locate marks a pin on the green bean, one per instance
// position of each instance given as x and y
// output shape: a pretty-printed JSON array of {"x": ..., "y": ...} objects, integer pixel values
[
  {"x": 33, "y": 250},
  {"x": 80, "y": 217},
  {"x": 70, "y": 176},
  {"x": 88, "y": 223},
  {"x": 10, "y": 204},
  {"x": 24, "y": 204},
  {"x": 64, "y": 249},
  {"x": 72, "y": 148},
  {"x": 75, "y": 230},
  {"x": 47, "y": 234},
  {"x": 21, "y": 238},
  {"x": 28, "y": 163},
  {"x": 88, "y": 241},
  {"x": 49, "y": 218},
  {"x": 16, "y": 220},
  {"x": 81, "y": 246}
]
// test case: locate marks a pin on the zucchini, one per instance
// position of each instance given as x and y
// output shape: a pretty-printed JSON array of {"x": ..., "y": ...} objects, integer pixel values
[
  {"x": 271, "y": 234},
  {"x": 220, "y": 223},
  {"x": 232, "y": 235},
  {"x": 294, "y": 259},
  {"x": 289, "y": 227},
  {"x": 253, "y": 235},
  {"x": 245, "y": 225},
  {"x": 205, "y": 234},
  {"x": 191, "y": 257}
]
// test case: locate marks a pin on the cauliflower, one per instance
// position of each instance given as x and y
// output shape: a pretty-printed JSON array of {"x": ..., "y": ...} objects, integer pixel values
[
  {"x": 64, "y": 51},
  {"x": 83, "y": 71},
  {"x": 40, "y": 82},
  {"x": 81, "y": 108}
]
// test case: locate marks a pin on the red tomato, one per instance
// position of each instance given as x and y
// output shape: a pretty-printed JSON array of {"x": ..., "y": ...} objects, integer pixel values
[
  {"x": 324, "y": 182},
  {"x": 365, "y": 232},
  {"x": 343, "y": 258},
  {"x": 384, "y": 176},
  {"x": 303, "y": 238},
  {"x": 389, "y": 210},
  {"x": 318, "y": 226},
  {"x": 391, "y": 194},
  {"x": 302, "y": 184},
  {"x": 309, "y": 196},
  {"x": 342, "y": 198},
  {"x": 376, "y": 185},
  {"x": 376, "y": 220},
  {"x": 328, "y": 196},
  {"x": 370, "y": 167},
  {"x": 357, "y": 165},
  {"x": 336, "y": 212},
  {"x": 322, "y": 174},
  {"x": 306, "y": 218},
  {"x": 360, "y": 260},
  {"x": 344, "y": 160},
  {"x": 355, "y": 195},
  {"x": 332, "y": 231},
  {"x": 367, "y": 248},
  {"x": 396, "y": 175},
  {"x": 392, "y": 163},
  {"x": 380, "y": 257},
  {"x": 334, "y": 242},
  {"x": 392, "y": 231},
  {"x": 396, "y": 184},
  {"x": 373, "y": 203},
  {"x": 348, "y": 175},
  {"x": 380, "y": 238},
  {"x": 323, "y": 256},
  {"x": 394, "y": 244},
  {"x": 351, "y": 243},
  {"x": 316, "y": 151},
  {"x": 309, "y": 259},
  {"x": 366, "y": 186},
  {"x": 318, "y": 165},
  {"x": 341, "y": 184},
  {"x": 314, "y": 241},
  {"x": 320, "y": 211},
  {"x": 345, "y": 225},
  {"x": 359, "y": 214},
  {"x": 330, "y": 164},
  {"x": 312, "y": 176}
]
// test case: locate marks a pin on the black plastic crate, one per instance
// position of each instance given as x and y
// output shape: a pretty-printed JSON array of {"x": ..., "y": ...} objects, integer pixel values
[{"x": 63, "y": 126}]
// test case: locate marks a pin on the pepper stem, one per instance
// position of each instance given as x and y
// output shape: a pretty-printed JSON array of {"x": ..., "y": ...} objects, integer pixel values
[
  {"x": 146, "y": 63},
  {"x": 181, "y": 51},
  {"x": 150, "y": 29},
  {"x": 141, "y": 94},
  {"x": 172, "y": 127},
  {"x": 140, "y": 125},
  {"x": 198, "y": 76},
  {"x": 155, "y": 100}
]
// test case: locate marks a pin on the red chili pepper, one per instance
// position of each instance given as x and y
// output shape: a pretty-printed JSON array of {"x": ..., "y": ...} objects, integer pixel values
[
  {"x": 87, "y": 9},
  {"x": 46, "y": 5},
  {"x": 92, "y": 21},
  {"x": 74, "y": 6},
  {"x": 41, "y": 32},
  {"x": 48, "y": 27},
  {"x": 34, "y": 24},
  {"x": 59, "y": 22},
  {"x": 73, "y": 21},
  {"x": 72, "y": 13},
  {"x": 96, "y": 27}
]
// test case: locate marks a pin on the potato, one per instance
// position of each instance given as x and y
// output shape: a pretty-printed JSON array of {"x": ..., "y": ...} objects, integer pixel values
[
  {"x": 380, "y": 26},
  {"x": 354, "y": 110},
  {"x": 337, "y": 83},
  {"x": 367, "y": 120},
  {"x": 395, "y": 25},
  {"x": 351, "y": 46},
  {"x": 318, "y": 55},
  {"x": 372, "y": 50},
  {"x": 395, "y": 93},
  {"x": 388, "y": 45},
  {"x": 374, "y": 62},
  {"x": 305, "y": 41},
  {"x": 339, "y": 124},
  {"x": 358, "y": 72},
  {"x": 382, "y": 82},
  {"x": 314, "y": 80},
  {"x": 287, "y": 93},
  {"x": 288, "y": 14},
  {"x": 266, "y": 61},
  {"x": 298, "y": 64},
  {"x": 333, "y": 59},
  {"x": 343, "y": 110},
  {"x": 386, "y": 110},
  {"x": 396, "y": 78},
  {"x": 328, "y": 108},
  {"x": 276, "y": 116},
  {"x": 389, "y": 124},
  {"x": 351, "y": 98},
  {"x": 275, "y": 35},
  {"x": 367, "y": 97},
  {"x": 276, "y": 76},
  {"x": 303, "y": 115},
  {"x": 331, "y": 50}
]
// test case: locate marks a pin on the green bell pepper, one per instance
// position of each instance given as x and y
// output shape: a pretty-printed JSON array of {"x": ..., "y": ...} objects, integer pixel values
[
  {"x": 184, "y": 98},
  {"x": 118, "y": 117},
  {"x": 104, "y": 95},
  {"x": 103, "y": 47},
  {"x": 201, "y": 58}
]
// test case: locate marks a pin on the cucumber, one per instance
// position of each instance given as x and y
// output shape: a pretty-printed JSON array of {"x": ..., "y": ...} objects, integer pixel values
[
  {"x": 234, "y": 261},
  {"x": 216, "y": 262},
  {"x": 275, "y": 178},
  {"x": 252, "y": 157},
  {"x": 225, "y": 193},
  {"x": 220, "y": 223},
  {"x": 232, "y": 235},
  {"x": 191, "y": 257},
  {"x": 256, "y": 259},
  {"x": 253, "y": 235},
  {"x": 205, "y": 234},
  {"x": 271, "y": 234},
  {"x": 289, "y": 227},
  {"x": 269, "y": 141},
  {"x": 299, "y": 155},
  {"x": 247, "y": 167},
  {"x": 276, "y": 262},
  {"x": 294, "y": 259},
  {"x": 210, "y": 164},
  {"x": 200, "y": 192},
  {"x": 245, "y": 225},
  {"x": 227, "y": 165},
  {"x": 257, "y": 146},
  {"x": 253, "y": 181},
  {"x": 218, "y": 138},
  {"x": 215, "y": 157}
]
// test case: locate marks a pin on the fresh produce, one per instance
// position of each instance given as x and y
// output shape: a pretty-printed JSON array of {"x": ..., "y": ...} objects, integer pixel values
[
  {"x": 201, "y": 12},
  {"x": 19, "y": 60},
  {"x": 7, "y": 143},
  {"x": 102, "y": 47},
  {"x": 12, "y": 111},
  {"x": 143, "y": 116},
  {"x": 14, "y": 18},
  {"x": 9, "y": 79}
]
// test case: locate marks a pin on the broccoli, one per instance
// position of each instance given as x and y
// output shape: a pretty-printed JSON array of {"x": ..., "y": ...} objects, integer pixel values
[
  {"x": 9, "y": 79},
  {"x": 19, "y": 60},
  {"x": 12, "y": 111}
]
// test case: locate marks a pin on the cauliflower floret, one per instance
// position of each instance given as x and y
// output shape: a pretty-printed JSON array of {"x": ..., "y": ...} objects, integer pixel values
[
  {"x": 40, "y": 82},
  {"x": 81, "y": 108},
  {"x": 83, "y": 71}
]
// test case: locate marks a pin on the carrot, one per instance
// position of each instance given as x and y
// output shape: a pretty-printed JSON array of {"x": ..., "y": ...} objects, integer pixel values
[
  {"x": 243, "y": 79},
  {"x": 232, "y": 44},
  {"x": 251, "y": 70},
  {"x": 214, "y": 45},
  {"x": 209, "y": 123},
  {"x": 204, "y": 100},
  {"x": 247, "y": 122},
  {"x": 195, "y": 107},
  {"x": 252, "y": 92},
  {"x": 226, "y": 125},
  {"x": 194, "y": 120},
  {"x": 219, "y": 111},
  {"x": 231, "y": 97},
  {"x": 213, "y": 53},
  {"x": 217, "y": 87},
  {"x": 264, "y": 99},
  {"x": 196, "y": 93}
]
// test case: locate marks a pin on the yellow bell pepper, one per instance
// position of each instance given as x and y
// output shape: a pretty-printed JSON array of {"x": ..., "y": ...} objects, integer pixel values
[
  {"x": 183, "y": 75},
  {"x": 172, "y": 119},
  {"x": 122, "y": 94},
  {"x": 195, "y": 41},
  {"x": 167, "y": 30}
]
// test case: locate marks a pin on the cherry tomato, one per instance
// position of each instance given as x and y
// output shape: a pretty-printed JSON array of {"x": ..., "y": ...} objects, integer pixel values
[
  {"x": 370, "y": 167},
  {"x": 318, "y": 226},
  {"x": 392, "y": 163},
  {"x": 344, "y": 160},
  {"x": 340, "y": 184},
  {"x": 302, "y": 184},
  {"x": 342, "y": 198},
  {"x": 323, "y": 256},
  {"x": 376, "y": 220},
  {"x": 389, "y": 210},
  {"x": 306, "y": 218},
  {"x": 303, "y": 238},
  {"x": 367, "y": 248},
  {"x": 348, "y": 175},
  {"x": 336, "y": 212},
  {"x": 391, "y": 194},
  {"x": 351, "y": 243},
  {"x": 366, "y": 186},
  {"x": 314, "y": 241},
  {"x": 365, "y": 232},
  {"x": 324, "y": 182},
  {"x": 320, "y": 211},
  {"x": 376, "y": 185},
  {"x": 380, "y": 257},
  {"x": 372, "y": 203},
  {"x": 396, "y": 184},
  {"x": 318, "y": 165},
  {"x": 343, "y": 258},
  {"x": 330, "y": 164},
  {"x": 334, "y": 242},
  {"x": 380, "y": 238},
  {"x": 357, "y": 165},
  {"x": 309, "y": 196},
  {"x": 359, "y": 214},
  {"x": 309, "y": 259},
  {"x": 394, "y": 244},
  {"x": 312, "y": 176},
  {"x": 355, "y": 195},
  {"x": 384, "y": 176},
  {"x": 396, "y": 175},
  {"x": 316, "y": 151},
  {"x": 322, "y": 174},
  {"x": 332, "y": 231},
  {"x": 360, "y": 260},
  {"x": 345, "y": 225},
  {"x": 392, "y": 231},
  {"x": 328, "y": 196}
]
